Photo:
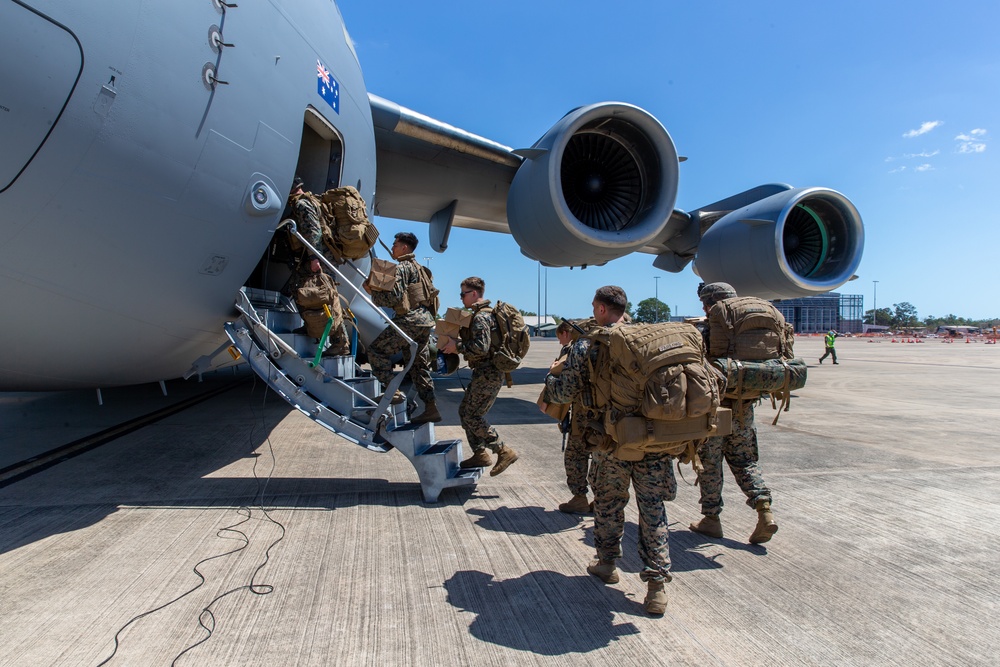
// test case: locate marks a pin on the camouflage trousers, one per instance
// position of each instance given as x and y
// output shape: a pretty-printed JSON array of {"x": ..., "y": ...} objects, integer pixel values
[
  {"x": 340, "y": 342},
  {"x": 479, "y": 398},
  {"x": 388, "y": 343},
  {"x": 580, "y": 472},
  {"x": 654, "y": 482},
  {"x": 739, "y": 449}
]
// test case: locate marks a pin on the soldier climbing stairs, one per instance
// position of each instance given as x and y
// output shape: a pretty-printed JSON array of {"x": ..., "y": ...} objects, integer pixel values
[{"x": 336, "y": 393}]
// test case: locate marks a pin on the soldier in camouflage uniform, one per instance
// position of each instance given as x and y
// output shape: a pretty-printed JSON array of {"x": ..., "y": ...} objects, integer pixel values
[
  {"x": 416, "y": 321},
  {"x": 652, "y": 476},
  {"x": 478, "y": 344},
  {"x": 580, "y": 472},
  {"x": 739, "y": 449},
  {"x": 305, "y": 210}
]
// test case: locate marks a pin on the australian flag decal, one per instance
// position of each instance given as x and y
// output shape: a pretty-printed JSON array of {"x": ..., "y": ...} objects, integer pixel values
[{"x": 327, "y": 86}]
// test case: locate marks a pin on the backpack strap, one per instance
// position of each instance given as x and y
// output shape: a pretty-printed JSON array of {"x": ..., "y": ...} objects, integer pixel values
[{"x": 784, "y": 395}]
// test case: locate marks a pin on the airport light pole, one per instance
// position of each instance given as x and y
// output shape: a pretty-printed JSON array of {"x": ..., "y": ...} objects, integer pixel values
[
  {"x": 875, "y": 304},
  {"x": 656, "y": 295}
]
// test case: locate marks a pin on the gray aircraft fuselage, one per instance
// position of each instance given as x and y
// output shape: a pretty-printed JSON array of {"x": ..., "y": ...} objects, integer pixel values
[{"x": 137, "y": 190}]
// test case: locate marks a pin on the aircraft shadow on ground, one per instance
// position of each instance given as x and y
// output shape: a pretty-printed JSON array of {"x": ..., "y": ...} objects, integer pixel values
[
  {"x": 543, "y": 612},
  {"x": 82, "y": 490},
  {"x": 36, "y": 520}
]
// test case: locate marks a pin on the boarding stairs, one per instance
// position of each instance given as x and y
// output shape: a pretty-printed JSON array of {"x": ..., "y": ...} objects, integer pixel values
[{"x": 337, "y": 393}]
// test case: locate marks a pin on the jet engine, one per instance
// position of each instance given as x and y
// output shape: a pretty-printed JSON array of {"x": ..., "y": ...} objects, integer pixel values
[
  {"x": 598, "y": 185},
  {"x": 799, "y": 242}
]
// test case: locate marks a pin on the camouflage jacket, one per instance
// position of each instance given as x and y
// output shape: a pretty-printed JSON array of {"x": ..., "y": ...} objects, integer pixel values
[
  {"x": 309, "y": 221},
  {"x": 406, "y": 274},
  {"x": 573, "y": 383},
  {"x": 476, "y": 341}
]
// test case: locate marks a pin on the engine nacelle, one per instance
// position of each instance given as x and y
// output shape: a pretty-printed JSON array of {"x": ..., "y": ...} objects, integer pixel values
[
  {"x": 598, "y": 185},
  {"x": 800, "y": 242}
]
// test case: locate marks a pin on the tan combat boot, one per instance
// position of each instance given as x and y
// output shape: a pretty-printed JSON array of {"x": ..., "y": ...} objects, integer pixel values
[
  {"x": 505, "y": 456},
  {"x": 430, "y": 414},
  {"x": 479, "y": 459},
  {"x": 604, "y": 570},
  {"x": 709, "y": 525},
  {"x": 578, "y": 505},
  {"x": 766, "y": 527},
  {"x": 656, "y": 598}
]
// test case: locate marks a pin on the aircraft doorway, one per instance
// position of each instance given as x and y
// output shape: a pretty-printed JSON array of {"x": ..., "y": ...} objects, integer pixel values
[
  {"x": 321, "y": 153},
  {"x": 320, "y": 163}
]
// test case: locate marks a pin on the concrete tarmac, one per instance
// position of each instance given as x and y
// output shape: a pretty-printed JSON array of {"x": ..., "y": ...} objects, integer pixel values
[{"x": 239, "y": 532}]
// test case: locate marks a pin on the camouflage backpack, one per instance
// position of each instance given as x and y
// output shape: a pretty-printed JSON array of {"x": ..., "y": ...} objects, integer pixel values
[
  {"x": 654, "y": 386},
  {"x": 512, "y": 337}
]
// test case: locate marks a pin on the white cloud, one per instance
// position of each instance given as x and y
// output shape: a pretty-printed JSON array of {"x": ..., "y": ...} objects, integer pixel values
[
  {"x": 897, "y": 170},
  {"x": 971, "y": 147},
  {"x": 924, "y": 154},
  {"x": 923, "y": 129},
  {"x": 923, "y": 167},
  {"x": 973, "y": 141}
]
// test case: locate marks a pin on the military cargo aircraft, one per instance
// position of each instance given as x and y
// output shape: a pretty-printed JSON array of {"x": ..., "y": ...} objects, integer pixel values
[{"x": 148, "y": 149}]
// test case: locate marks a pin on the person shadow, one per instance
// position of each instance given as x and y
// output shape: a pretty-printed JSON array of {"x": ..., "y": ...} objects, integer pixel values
[
  {"x": 543, "y": 612},
  {"x": 532, "y": 521}
]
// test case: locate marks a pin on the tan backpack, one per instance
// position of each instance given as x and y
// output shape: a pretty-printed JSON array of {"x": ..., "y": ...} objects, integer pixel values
[
  {"x": 654, "y": 387},
  {"x": 351, "y": 234},
  {"x": 751, "y": 344},
  {"x": 313, "y": 293},
  {"x": 422, "y": 292},
  {"x": 749, "y": 329},
  {"x": 512, "y": 342}
]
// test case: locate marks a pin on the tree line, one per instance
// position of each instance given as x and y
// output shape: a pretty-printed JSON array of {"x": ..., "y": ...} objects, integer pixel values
[
  {"x": 904, "y": 316},
  {"x": 649, "y": 310}
]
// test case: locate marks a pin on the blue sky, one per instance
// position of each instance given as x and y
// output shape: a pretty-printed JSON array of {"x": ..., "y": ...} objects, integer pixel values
[{"x": 894, "y": 104}]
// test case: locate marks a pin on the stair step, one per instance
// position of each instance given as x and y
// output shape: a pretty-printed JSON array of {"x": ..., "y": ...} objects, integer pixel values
[
  {"x": 338, "y": 395},
  {"x": 440, "y": 447}
]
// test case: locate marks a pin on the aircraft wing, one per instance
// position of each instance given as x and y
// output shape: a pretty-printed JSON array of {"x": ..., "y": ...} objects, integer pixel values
[
  {"x": 601, "y": 184},
  {"x": 429, "y": 171}
]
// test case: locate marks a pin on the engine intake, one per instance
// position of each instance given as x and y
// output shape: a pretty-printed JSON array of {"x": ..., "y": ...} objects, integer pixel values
[
  {"x": 598, "y": 185},
  {"x": 800, "y": 242}
]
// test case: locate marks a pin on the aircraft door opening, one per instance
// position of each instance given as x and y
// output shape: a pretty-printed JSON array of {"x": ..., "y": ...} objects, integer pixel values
[
  {"x": 320, "y": 164},
  {"x": 321, "y": 153}
]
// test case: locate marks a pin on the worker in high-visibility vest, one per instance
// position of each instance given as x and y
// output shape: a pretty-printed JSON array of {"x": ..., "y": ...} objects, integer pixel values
[{"x": 830, "y": 339}]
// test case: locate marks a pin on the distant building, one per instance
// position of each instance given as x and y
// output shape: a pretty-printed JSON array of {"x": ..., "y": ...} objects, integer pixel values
[
  {"x": 958, "y": 331},
  {"x": 540, "y": 326},
  {"x": 844, "y": 313}
]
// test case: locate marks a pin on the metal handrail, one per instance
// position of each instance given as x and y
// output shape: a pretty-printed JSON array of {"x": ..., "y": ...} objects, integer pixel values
[{"x": 390, "y": 389}]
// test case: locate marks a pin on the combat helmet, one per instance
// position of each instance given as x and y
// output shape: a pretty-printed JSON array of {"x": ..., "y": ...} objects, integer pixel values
[{"x": 714, "y": 292}]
